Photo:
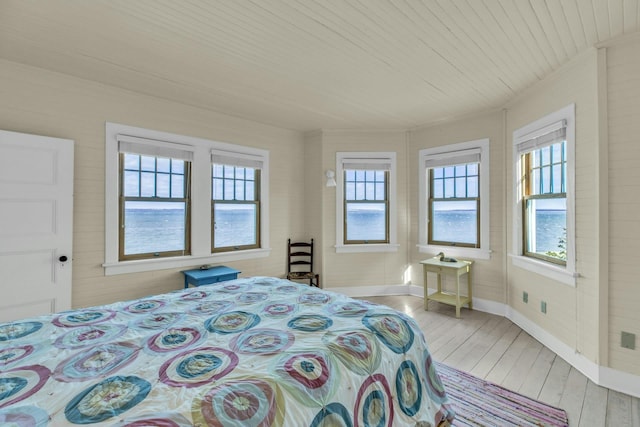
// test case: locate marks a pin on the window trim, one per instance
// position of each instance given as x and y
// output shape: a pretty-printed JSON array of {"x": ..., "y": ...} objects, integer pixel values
[
  {"x": 566, "y": 274},
  {"x": 200, "y": 201},
  {"x": 342, "y": 160},
  {"x": 442, "y": 153}
]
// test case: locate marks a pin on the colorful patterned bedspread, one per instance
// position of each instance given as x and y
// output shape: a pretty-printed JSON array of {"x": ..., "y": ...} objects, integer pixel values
[{"x": 249, "y": 352}]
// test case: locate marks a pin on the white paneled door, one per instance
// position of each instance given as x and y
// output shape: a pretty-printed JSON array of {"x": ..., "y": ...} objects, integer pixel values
[{"x": 36, "y": 208}]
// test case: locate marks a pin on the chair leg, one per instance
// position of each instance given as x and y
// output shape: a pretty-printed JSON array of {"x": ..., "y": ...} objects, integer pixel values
[{"x": 317, "y": 280}]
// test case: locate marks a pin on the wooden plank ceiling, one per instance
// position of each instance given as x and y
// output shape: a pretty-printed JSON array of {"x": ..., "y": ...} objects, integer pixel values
[{"x": 303, "y": 64}]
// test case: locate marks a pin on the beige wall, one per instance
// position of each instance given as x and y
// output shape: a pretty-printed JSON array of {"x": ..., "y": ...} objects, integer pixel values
[
  {"x": 572, "y": 313},
  {"x": 488, "y": 280},
  {"x": 623, "y": 87},
  {"x": 363, "y": 269},
  {"x": 314, "y": 183},
  {"x": 52, "y": 104}
]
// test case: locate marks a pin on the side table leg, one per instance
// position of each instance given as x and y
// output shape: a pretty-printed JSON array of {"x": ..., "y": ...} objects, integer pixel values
[
  {"x": 469, "y": 288},
  {"x": 426, "y": 290},
  {"x": 457, "y": 296}
]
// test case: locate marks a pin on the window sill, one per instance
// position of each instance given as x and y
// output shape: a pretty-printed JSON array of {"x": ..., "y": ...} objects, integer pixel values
[
  {"x": 373, "y": 247},
  {"x": 546, "y": 269},
  {"x": 456, "y": 251},
  {"x": 137, "y": 266}
]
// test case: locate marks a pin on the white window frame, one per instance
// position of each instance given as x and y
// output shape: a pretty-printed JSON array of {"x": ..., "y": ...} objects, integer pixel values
[
  {"x": 564, "y": 274},
  {"x": 443, "y": 153},
  {"x": 200, "y": 201},
  {"x": 343, "y": 158}
]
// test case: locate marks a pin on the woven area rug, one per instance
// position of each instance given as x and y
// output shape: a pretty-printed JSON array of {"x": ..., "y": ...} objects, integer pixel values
[{"x": 481, "y": 403}]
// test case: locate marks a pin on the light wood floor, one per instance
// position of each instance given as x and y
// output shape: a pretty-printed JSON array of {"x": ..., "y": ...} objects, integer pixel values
[{"x": 494, "y": 348}]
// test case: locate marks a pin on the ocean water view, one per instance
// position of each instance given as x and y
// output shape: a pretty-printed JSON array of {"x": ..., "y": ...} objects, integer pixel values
[
  {"x": 365, "y": 224},
  {"x": 460, "y": 226},
  {"x": 235, "y": 226},
  {"x": 551, "y": 229},
  {"x": 163, "y": 229},
  {"x": 153, "y": 230}
]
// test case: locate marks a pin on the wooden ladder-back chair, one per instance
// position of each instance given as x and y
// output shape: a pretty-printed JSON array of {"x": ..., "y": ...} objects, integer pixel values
[{"x": 300, "y": 262}]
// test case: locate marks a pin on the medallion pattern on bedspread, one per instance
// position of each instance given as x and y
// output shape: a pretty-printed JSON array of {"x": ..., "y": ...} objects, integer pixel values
[
  {"x": 232, "y": 322},
  {"x": 20, "y": 383},
  {"x": 249, "y": 352},
  {"x": 174, "y": 339},
  {"x": 12, "y": 355},
  {"x": 107, "y": 399},
  {"x": 84, "y": 317},
  {"x": 95, "y": 362},
  {"x": 12, "y": 331},
  {"x": 198, "y": 367},
  {"x": 144, "y": 306},
  {"x": 308, "y": 377},
  {"x": 85, "y": 336},
  {"x": 392, "y": 330},
  {"x": 24, "y": 416}
]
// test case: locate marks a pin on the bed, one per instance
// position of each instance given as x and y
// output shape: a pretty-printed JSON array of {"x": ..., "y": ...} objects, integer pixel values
[{"x": 248, "y": 352}]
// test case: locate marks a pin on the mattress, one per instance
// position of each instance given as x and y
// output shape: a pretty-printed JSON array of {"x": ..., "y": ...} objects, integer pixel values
[{"x": 254, "y": 351}]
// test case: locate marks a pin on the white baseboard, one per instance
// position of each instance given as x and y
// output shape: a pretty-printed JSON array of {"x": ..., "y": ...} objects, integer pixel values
[
  {"x": 575, "y": 359},
  {"x": 614, "y": 379},
  {"x": 623, "y": 382},
  {"x": 620, "y": 381}
]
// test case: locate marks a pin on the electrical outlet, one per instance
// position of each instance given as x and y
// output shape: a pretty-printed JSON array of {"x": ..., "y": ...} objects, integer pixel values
[
  {"x": 525, "y": 297},
  {"x": 543, "y": 307},
  {"x": 628, "y": 340}
]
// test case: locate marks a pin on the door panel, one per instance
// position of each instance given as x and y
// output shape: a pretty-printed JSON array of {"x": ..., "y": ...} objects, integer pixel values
[
  {"x": 27, "y": 165},
  {"x": 33, "y": 218},
  {"x": 36, "y": 224}
]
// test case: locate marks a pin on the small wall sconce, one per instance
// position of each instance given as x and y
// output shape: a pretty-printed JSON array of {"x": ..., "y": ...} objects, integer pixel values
[{"x": 331, "y": 178}]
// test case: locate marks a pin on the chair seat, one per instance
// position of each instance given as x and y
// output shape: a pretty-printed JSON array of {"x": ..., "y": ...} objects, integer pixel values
[{"x": 301, "y": 275}]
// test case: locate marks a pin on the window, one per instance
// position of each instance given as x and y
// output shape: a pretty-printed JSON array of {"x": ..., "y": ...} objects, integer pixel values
[
  {"x": 154, "y": 206},
  {"x": 454, "y": 205},
  {"x": 544, "y": 191},
  {"x": 366, "y": 213},
  {"x": 454, "y": 189},
  {"x": 154, "y": 201},
  {"x": 365, "y": 202},
  {"x": 235, "y": 203},
  {"x": 545, "y": 201},
  {"x": 175, "y": 201}
]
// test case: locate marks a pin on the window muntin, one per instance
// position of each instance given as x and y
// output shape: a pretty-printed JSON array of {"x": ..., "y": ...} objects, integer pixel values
[
  {"x": 454, "y": 205},
  {"x": 235, "y": 208},
  {"x": 366, "y": 206},
  {"x": 545, "y": 203},
  {"x": 154, "y": 201}
]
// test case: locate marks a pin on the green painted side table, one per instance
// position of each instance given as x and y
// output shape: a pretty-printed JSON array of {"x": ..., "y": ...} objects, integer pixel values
[{"x": 459, "y": 268}]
